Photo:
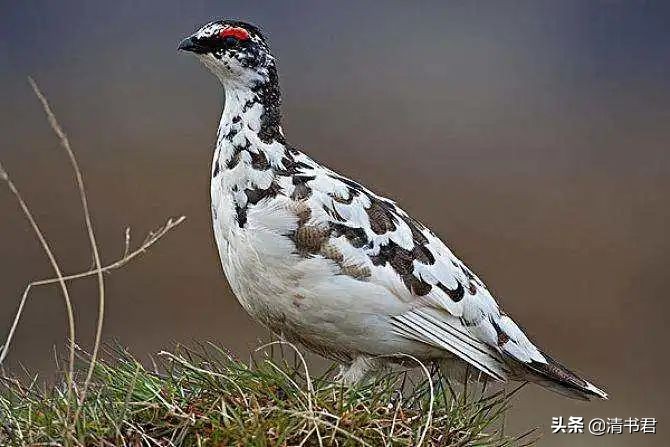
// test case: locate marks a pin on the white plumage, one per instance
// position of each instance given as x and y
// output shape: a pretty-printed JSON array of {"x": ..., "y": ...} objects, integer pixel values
[{"x": 324, "y": 261}]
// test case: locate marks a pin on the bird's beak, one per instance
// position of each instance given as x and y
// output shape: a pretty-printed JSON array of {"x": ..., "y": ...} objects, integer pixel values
[{"x": 188, "y": 44}]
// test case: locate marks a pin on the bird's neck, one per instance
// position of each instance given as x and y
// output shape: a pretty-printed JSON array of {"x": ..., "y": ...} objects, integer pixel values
[
  {"x": 250, "y": 145},
  {"x": 251, "y": 120}
]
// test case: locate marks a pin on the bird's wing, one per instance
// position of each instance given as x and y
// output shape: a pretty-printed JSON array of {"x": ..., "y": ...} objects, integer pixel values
[{"x": 370, "y": 236}]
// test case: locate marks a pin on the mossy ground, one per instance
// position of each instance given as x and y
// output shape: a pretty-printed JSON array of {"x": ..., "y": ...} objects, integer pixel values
[{"x": 209, "y": 397}]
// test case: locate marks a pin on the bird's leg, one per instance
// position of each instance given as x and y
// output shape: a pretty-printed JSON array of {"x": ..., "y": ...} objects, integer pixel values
[
  {"x": 397, "y": 396},
  {"x": 359, "y": 369},
  {"x": 461, "y": 372}
]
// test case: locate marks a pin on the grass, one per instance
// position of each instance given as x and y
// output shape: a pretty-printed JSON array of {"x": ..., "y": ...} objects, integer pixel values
[{"x": 207, "y": 397}]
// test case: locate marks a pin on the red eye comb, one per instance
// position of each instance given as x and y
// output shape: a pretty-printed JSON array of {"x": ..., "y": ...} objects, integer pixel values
[{"x": 237, "y": 33}]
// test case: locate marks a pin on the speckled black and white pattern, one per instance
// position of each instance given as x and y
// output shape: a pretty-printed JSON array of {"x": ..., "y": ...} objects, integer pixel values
[{"x": 325, "y": 261}]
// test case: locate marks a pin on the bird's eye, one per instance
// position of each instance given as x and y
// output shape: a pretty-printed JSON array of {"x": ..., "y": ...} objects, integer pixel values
[{"x": 230, "y": 41}]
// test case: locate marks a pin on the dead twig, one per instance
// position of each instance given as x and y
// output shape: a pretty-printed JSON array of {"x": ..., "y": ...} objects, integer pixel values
[
  {"x": 59, "y": 276},
  {"x": 98, "y": 270},
  {"x": 128, "y": 256},
  {"x": 65, "y": 142}
]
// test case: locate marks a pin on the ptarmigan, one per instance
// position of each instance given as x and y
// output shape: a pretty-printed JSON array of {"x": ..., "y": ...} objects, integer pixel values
[{"x": 325, "y": 262}]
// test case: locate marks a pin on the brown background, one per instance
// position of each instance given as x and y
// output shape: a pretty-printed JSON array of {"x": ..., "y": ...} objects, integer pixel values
[{"x": 533, "y": 136}]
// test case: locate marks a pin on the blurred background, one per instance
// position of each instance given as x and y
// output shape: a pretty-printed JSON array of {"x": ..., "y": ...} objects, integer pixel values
[{"x": 532, "y": 136}]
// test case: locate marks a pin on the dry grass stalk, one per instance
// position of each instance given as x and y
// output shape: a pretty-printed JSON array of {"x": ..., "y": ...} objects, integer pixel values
[
  {"x": 61, "y": 279},
  {"x": 65, "y": 142},
  {"x": 128, "y": 255}
]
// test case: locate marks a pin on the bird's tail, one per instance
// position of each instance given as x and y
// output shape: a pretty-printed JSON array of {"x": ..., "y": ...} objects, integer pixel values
[{"x": 556, "y": 377}]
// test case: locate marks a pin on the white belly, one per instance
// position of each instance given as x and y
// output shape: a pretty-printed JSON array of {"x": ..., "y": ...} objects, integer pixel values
[{"x": 305, "y": 299}]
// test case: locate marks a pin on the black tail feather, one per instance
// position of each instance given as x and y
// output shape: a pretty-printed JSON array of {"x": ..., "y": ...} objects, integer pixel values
[{"x": 556, "y": 377}]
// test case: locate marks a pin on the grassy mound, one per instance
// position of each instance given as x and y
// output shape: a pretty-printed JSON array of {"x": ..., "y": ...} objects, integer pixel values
[{"x": 208, "y": 397}]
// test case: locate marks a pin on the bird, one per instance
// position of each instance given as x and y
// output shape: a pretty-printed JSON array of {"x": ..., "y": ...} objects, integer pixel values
[{"x": 324, "y": 262}]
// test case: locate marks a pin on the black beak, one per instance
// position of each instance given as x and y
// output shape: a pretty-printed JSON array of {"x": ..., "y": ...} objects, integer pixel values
[{"x": 189, "y": 44}]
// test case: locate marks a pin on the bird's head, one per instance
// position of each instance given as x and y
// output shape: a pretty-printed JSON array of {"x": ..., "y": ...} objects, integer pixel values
[{"x": 235, "y": 52}]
